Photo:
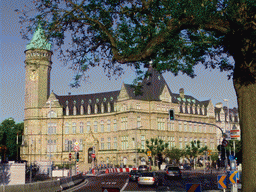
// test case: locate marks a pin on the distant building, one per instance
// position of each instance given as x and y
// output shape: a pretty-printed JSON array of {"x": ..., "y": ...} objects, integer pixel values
[{"x": 109, "y": 121}]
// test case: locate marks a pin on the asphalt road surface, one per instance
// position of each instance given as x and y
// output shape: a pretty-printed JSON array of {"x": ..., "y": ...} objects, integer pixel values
[{"x": 120, "y": 181}]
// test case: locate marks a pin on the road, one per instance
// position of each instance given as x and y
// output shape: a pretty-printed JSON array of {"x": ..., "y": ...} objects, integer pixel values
[{"x": 120, "y": 181}]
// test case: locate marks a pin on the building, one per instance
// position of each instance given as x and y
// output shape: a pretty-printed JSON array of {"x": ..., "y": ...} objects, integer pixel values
[{"x": 114, "y": 123}]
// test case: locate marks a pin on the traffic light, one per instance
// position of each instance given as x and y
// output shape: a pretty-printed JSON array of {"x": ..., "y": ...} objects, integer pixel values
[
  {"x": 149, "y": 159},
  {"x": 171, "y": 114},
  {"x": 77, "y": 156},
  {"x": 70, "y": 156}
]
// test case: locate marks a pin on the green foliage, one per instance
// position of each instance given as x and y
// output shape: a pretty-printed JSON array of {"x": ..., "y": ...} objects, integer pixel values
[
  {"x": 214, "y": 156},
  {"x": 174, "y": 153},
  {"x": 176, "y": 36},
  {"x": 195, "y": 149},
  {"x": 156, "y": 146},
  {"x": 8, "y": 136}
]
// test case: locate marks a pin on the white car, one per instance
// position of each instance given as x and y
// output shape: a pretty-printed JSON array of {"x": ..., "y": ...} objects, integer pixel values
[{"x": 148, "y": 178}]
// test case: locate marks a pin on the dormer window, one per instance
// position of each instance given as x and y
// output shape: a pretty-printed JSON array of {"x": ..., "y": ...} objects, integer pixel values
[
  {"x": 67, "y": 110},
  {"x": 89, "y": 109},
  {"x": 95, "y": 109},
  {"x": 81, "y": 110},
  {"x": 97, "y": 100},
  {"x": 82, "y": 102},
  {"x": 90, "y": 101}
]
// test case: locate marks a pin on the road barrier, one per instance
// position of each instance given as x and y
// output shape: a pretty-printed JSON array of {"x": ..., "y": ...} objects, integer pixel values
[
  {"x": 45, "y": 186},
  {"x": 119, "y": 170}
]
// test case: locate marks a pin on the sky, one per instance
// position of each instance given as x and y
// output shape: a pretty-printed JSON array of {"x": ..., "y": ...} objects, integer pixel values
[{"x": 208, "y": 84}]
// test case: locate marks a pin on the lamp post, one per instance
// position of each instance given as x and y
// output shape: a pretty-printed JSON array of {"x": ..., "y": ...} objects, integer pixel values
[{"x": 136, "y": 145}]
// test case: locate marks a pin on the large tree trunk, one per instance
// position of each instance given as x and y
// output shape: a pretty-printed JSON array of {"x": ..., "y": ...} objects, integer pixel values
[{"x": 245, "y": 86}]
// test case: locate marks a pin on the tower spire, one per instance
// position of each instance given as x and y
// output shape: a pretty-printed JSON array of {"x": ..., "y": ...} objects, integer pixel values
[{"x": 39, "y": 40}]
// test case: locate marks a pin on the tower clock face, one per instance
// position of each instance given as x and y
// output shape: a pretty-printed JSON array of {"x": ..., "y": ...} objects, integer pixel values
[{"x": 33, "y": 76}]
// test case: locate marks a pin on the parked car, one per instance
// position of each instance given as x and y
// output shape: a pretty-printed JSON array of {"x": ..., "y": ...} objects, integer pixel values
[
  {"x": 174, "y": 172},
  {"x": 134, "y": 175},
  {"x": 143, "y": 168},
  {"x": 148, "y": 178}
]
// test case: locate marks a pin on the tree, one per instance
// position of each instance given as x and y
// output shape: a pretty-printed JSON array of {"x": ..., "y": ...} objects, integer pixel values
[
  {"x": 9, "y": 130},
  {"x": 174, "y": 35},
  {"x": 194, "y": 150},
  {"x": 156, "y": 146},
  {"x": 174, "y": 154}
]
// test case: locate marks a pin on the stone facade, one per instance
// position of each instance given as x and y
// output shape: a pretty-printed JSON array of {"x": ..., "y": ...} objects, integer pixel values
[{"x": 109, "y": 121}]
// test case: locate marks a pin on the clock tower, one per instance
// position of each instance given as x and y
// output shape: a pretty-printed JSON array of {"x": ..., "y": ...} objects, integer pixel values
[{"x": 38, "y": 67}]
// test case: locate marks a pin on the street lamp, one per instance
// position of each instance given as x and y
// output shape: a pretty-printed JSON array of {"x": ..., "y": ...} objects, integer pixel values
[
  {"x": 50, "y": 132},
  {"x": 226, "y": 100},
  {"x": 136, "y": 145}
]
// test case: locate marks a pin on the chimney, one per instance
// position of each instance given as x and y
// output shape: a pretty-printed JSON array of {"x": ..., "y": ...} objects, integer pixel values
[
  {"x": 181, "y": 91},
  {"x": 69, "y": 93}
]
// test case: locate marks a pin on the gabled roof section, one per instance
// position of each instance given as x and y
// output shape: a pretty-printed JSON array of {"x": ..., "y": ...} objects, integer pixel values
[
  {"x": 152, "y": 87},
  {"x": 52, "y": 100},
  {"x": 123, "y": 93}
]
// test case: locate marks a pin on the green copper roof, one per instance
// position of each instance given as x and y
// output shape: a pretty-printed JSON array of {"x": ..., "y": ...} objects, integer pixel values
[{"x": 38, "y": 40}]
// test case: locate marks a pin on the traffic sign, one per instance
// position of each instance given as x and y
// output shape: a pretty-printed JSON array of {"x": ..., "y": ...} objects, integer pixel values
[
  {"x": 93, "y": 155},
  {"x": 149, "y": 153},
  {"x": 76, "y": 148},
  {"x": 224, "y": 143},
  {"x": 233, "y": 176},
  {"x": 209, "y": 152},
  {"x": 235, "y": 134},
  {"x": 76, "y": 143},
  {"x": 222, "y": 181},
  {"x": 231, "y": 157},
  {"x": 193, "y": 187}
]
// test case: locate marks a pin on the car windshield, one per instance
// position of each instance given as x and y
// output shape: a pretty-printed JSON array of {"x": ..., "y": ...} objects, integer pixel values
[
  {"x": 173, "y": 169},
  {"x": 149, "y": 174}
]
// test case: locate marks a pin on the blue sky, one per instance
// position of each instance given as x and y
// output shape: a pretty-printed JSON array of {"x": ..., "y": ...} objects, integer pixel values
[{"x": 208, "y": 84}]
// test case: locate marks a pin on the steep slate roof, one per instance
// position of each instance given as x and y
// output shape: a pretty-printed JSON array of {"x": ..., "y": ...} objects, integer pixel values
[
  {"x": 152, "y": 88},
  {"x": 92, "y": 99},
  {"x": 232, "y": 113}
]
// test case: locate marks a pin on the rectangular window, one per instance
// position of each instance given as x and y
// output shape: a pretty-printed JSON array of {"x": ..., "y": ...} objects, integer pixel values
[
  {"x": 67, "y": 128},
  {"x": 95, "y": 126},
  {"x": 74, "y": 128},
  {"x": 81, "y": 145},
  {"x": 200, "y": 128},
  {"x": 180, "y": 126},
  {"x": 185, "y": 127},
  {"x": 115, "y": 126},
  {"x": 190, "y": 127},
  {"x": 108, "y": 126},
  {"x": 195, "y": 128},
  {"x": 88, "y": 127},
  {"x": 102, "y": 146},
  {"x": 52, "y": 128},
  {"x": 138, "y": 121},
  {"x": 115, "y": 143},
  {"x": 142, "y": 137},
  {"x": 81, "y": 127},
  {"x": 109, "y": 143},
  {"x": 102, "y": 126}
]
